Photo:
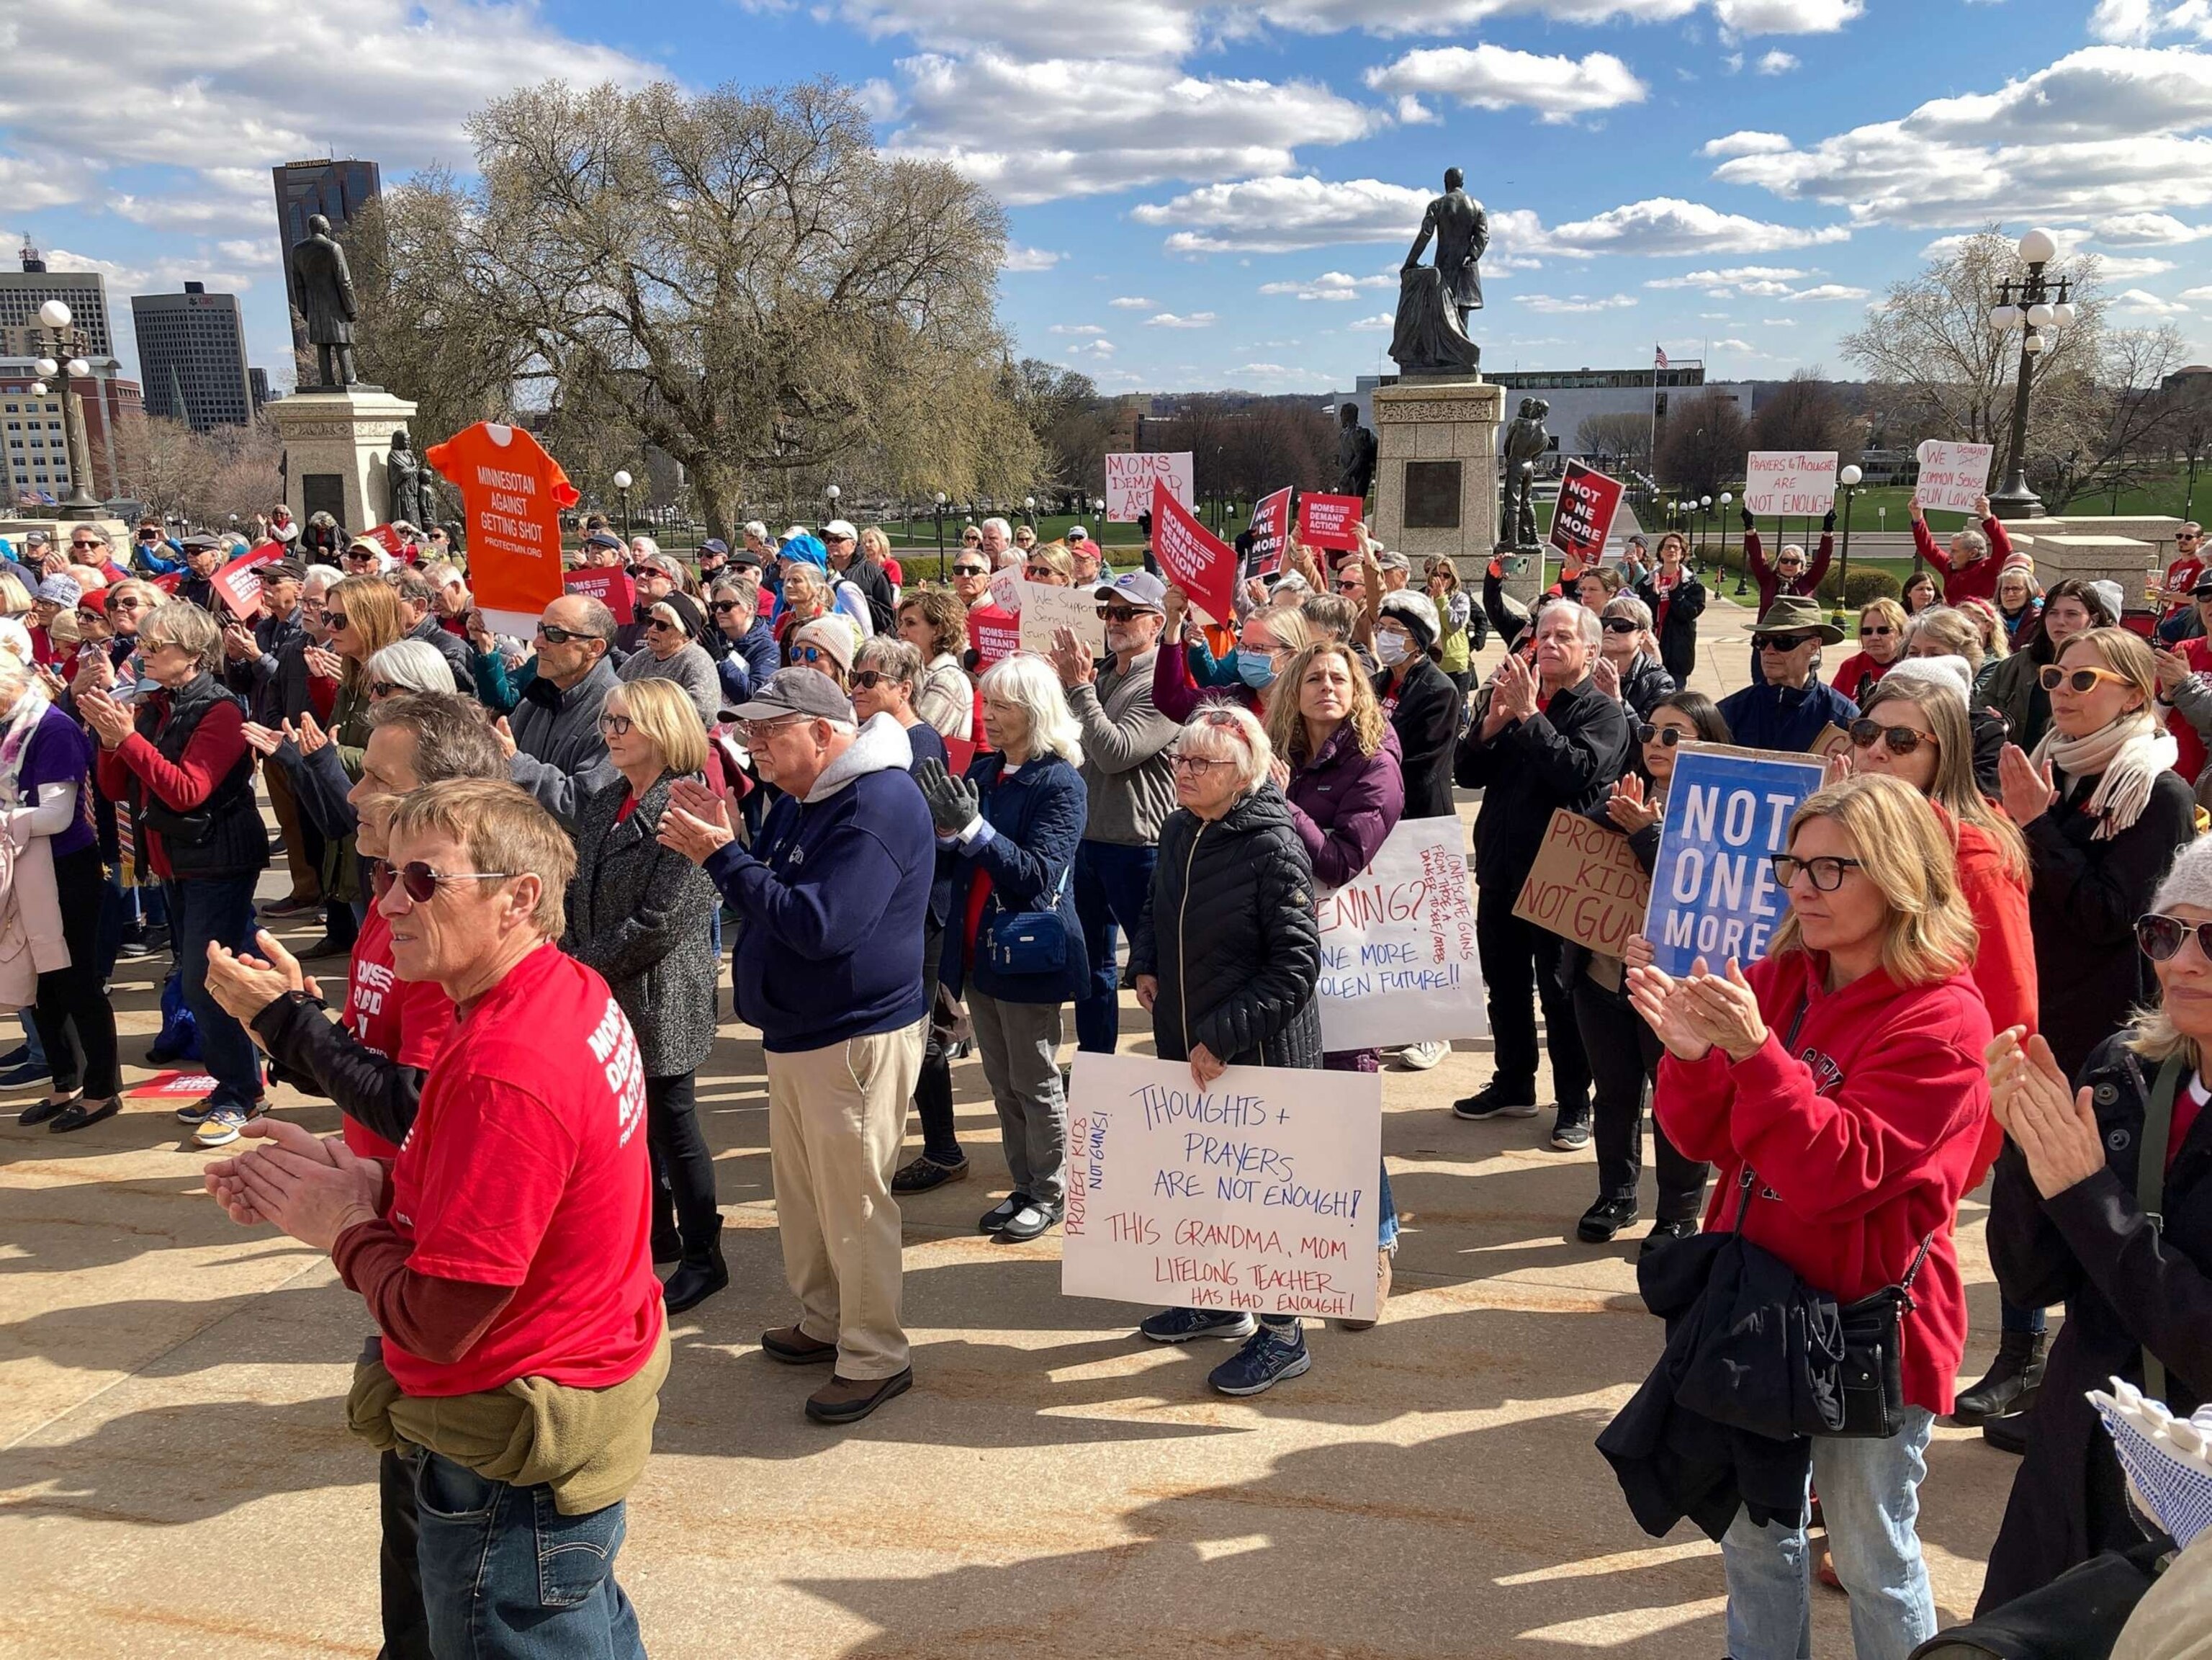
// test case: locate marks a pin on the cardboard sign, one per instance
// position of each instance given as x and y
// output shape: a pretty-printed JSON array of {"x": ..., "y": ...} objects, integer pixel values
[
  {"x": 1584, "y": 518},
  {"x": 1831, "y": 739},
  {"x": 237, "y": 584},
  {"x": 1132, "y": 477},
  {"x": 608, "y": 584},
  {"x": 392, "y": 543},
  {"x": 1006, "y": 586},
  {"x": 1585, "y": 885},
  {"x": 512, "y": 494},
  {"x": 1193, "y": 558},
  {"x": 1325, "y": 521},
  {"x": 1952, "y": 477},
  {"x": 1713, "y": 894},
  {"x": 1779, "y": 483},
  {"x": 1258, "y": 1192},
  {"x": 1398, "y": 962},
  {"x": 1271, "y": 533},
  {"x": 1047, "y": 609}
]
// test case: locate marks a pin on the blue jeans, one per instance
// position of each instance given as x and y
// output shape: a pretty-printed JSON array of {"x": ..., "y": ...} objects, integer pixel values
[
  {"x": 506, "y": 1577},
  {"x": 1386, "y": 1224},
  {"x": 219, "y": 909},
  {"x": 1870, "y": 1497},
  {"x": 1111, "y": 884}
]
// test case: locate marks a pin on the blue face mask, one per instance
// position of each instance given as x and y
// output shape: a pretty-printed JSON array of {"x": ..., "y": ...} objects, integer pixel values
[{"x": 1256, "y": 669}]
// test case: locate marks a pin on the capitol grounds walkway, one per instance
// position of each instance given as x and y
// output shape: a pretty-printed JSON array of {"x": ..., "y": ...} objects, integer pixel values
[{"x": 176, "y": 1478}]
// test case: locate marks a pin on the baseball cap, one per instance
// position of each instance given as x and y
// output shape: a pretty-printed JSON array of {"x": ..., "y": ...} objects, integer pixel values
[
  {"x": 745, "y": 556},
  {"x": 602, "y": 538},
  {"x": 713, "y": 545},
  {"x": 1139, "y": 588},
  {"x": 283, "y": 570},
  {"x": 796, "y": 691},
  {"x": 36, "y": 538},
  {"x": 1076, "y": 533},
  {"x": 841, "y": 529},
  {"x": 61, "y": 591},
  {"x": 2203, "y": 588},
  {"x": 1391, "y": 559}
]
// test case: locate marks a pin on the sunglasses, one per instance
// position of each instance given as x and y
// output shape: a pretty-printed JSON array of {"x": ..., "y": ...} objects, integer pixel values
[
  {"x": 1121, "y": 613},
  {"x": 1901, "y": 741},
  {"x": 2081, "y": 680},
  {"x": 722, "y": 606},
  {"x": 2160, "y": 937},
  {"x": 1039, "y": 573},
  {"x": 971, "y": 570},
  {"x": 88, "y": 547},
  {"x": 661, "y": 624},
  {"x": 869, "y": 679},
  {"x": 385, "y": 688},
  {"x": 334, "y": 619},
  {"x": 421, "y": 882},
  {"x": 614, "y": 726},
  {"x": 1623, "y": 625},
  {"x": 1665, "y": 737},
  {"x": 1826, "y": 872},
  {"x": 553, "y": 637},
  {"x": 1781, "y": 641},
  {"x": 808, "y": 654},
  {"x": 1882, "y": 632}
]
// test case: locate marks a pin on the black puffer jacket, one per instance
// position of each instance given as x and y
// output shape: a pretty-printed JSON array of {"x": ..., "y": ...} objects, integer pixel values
[{"x": 1228, "y": 929}]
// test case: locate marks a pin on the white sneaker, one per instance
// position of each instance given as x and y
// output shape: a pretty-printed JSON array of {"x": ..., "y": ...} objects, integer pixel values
[{"x": 1419, "y": 1057}]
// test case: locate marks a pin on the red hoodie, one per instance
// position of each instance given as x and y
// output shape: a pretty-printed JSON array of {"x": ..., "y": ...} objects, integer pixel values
[
  {"x": 2004, "y": 955},
  {"x": 1976, "y": 582},
  {"x": 1862, "y": 1145}
]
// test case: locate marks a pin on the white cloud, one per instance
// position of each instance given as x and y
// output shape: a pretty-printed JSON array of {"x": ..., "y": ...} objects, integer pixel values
[
  {"x": 1549, "y": 303},
  {"x": 1830, "y": 291},
  {"x": 2137, "y": 21},
  {"x": 2138, "y": 299},
  {"x": 1381, "y": 319},
  {"x": 1667, "y": 224},
  {"x": 1283, "y": 215},
  {"x": 1734, "y": 345},
  {"x": 1133, "y": 29},
  {"x": 1746, "y": 143},
  {"x": 1729, "y": 275},
  {"x": 1028, "y": 259},
  {"x": 167, "y": 274},
  {"x": 1329, "y": 285},
  {"x": 1168, "y": 320},
  {"x": 2199, "y": 295},
  {"x": 2147, "y": 230},
  {"x": 2120, "y": 268},
  {"x": 1495, "y": 78},
  {"x": 1785, "y": 16},
  {"x": 1084, "y": 329},
  {"x": 1093, "y": 348},
  {"x": 1777, "y": 63},
  {"x": 1130, "y": 302},
  {"x": 1413, "y": 113}
]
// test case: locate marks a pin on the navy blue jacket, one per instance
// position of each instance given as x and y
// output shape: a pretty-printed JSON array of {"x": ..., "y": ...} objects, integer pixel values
[
  {"x": 744, "y": 662},
  {"x": 830, "y": 912},
  {"x": 1034, "y": 820},
  {"x": 1772, "y": 718}
]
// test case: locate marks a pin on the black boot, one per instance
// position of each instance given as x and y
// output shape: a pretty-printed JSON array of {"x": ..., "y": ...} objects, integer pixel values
[
  {"x": 699, "y": 1276},
  {"x": 2010, "y": 1386}
]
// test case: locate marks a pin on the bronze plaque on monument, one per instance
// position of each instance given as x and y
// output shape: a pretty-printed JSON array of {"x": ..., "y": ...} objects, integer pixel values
[
  {"x": 322, "y": 492},
  {"x": 1432, "y": 493}
]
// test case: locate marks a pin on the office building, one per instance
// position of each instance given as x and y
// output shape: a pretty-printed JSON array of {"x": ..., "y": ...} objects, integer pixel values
[
  {"x": 259, "y": 381},
  {"x": 22, "y": 292},
  {"x": 192, "y": 354},
  {"x": 34, "y": 449},
  {"x": 338, "y": 189}
]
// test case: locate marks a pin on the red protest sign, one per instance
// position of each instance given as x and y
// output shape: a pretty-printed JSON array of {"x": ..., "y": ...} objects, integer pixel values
[
  {"x": 1584, "y": 518},
  {"x": 1325, "y": 521},
  {"x": 959, "y": 755},
  {"x": 995, "y": 633},
  {"x": 392, "y": 542},
  {"x": 239, "y": 582},
  {"x": 511, "y": 494},
  {"x": 1193, "y": 557},
  {"x": 1271, "y": 533},
  {"x": 608, "y": 584}
]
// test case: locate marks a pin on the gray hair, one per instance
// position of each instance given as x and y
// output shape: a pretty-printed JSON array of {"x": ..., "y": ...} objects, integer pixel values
[
  {"x": 14, "y": 674},
  {"x": 186, "y": 627},
  {"x": 1586, "y": 621},
  {"x": 321, "y": 578},
  {"x": 1225, "y": 732},
  {"x": 652, "y": 548},
  {"x": 1030, "y": 684},
  {"x": 453, "y": 736},
  {"x": 1628, "y": 605},
  {"x": 888, "y": 654},
  {"x": 1005, "y": 529},
  {"x": 439, "y": 575},
  {"x": 416, "y": 664}
]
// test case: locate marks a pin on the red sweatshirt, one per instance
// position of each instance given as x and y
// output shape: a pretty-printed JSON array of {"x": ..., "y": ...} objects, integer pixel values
[
  {"x": 1862, "y": 1146},
  {"x": 2191, "y": 756},
  {"x": 216, "y": 744},
  {"x": 1976, "y": 582},
  {"x": 2004, "y": 960},
  {"x": 1860, "y": 667},
  {"x": 1770, "y": 583}
]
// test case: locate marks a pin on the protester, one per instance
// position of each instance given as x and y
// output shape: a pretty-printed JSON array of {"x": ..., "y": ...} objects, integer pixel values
[
  {"x": 1882, "y": 626},
  {"x": 559, "y": 750},
  {"x": 1597, "y": 585},
  {"x": 2013, "y": 689},
  {"x": 2173, "y": 595},
  {"x": 674, "y": 650},
  {"x": 832, "y": 904},
  {"x": 507, "y": 1241},
  {"x": 634, "y": 908},
  {"x": 1268, "y": 640},
  {"x": 935, "y": 623},
  {"x": 1676, "y": 599},
  {"x": 740, "y": 642},
  {"x": 1787, "y": 707},
  {"x": 426, "y": 621},
  {"x": 1919, "y": 593},
  {"x": 1790, "y": 573},
  {"x": 2076, "y": 1218},
  {"x": 826, "y": 645},
  {"x": 1424, "y": 708},
  {"x": 1542, "y": 739},
  {"x": 853, "y": 562},
  {"x": 1463, "y": 628},
  {"x": 1050, "y": 564},
  {"x": 1013, "y": 824},
  {"x": 1837, "y": 1086},
  {"x": 2019, "y": 601},
  {"x": 1628, "y": 666},
  {"x": 1971, "y": 566},
  {"x": 2187, "y": 699},
  {"x": 410, "y": 665},
  {"x": 1948, "y": 631},
  {"x": 364, "y": 614},
  {"x": 1336, "y": 763},
  {"x": 1227, "y": 962}
]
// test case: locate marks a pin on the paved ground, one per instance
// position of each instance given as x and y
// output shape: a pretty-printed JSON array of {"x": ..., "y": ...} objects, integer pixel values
[{"x": 175, "y": 1479}]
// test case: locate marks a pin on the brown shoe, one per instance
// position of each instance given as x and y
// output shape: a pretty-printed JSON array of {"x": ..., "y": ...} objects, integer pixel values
[
  {"x": 847, "y": 1401},
  {"x": 1382, "y": 1296},
  {"x": 794, "y": 1348}
]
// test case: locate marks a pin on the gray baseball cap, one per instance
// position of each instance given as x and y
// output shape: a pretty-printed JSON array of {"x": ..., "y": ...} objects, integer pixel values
[
  {"x": 796, "y": 691},
  {"x": 1139, "y": 588}
]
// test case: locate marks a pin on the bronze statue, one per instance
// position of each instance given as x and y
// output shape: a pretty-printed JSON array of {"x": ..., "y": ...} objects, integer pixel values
[
  {"x": 326, "y": 295},
  {"x": 1355, "y": 452},
  {"x": 1435, "y": 302},
  {"x": 1525, "y": 441},
  {"x": 406, "y": 483}
]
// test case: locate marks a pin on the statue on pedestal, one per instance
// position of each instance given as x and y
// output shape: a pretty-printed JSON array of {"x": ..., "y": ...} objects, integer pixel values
[
  {"x": 1525, "y": 441},
  {"x": 406, "y": 483},
  {"x": 319, "y": 265},
  {"x": 1435, "y": 302},
  {"x": 1355, "y": 452}
]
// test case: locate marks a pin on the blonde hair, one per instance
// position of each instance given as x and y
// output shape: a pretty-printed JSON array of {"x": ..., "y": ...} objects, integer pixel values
[
  {"x": 874, "y": 544},
  {"x": 15, "y": 598},
  {"x": 1288, "y": 624},
  {"x": 373, "y": 611},
  {"x": 1235, "y": 733},
  {"x": 1952, "y": 630},
  {"x": 1985, "y": 614},
  {"x": 1055, "y": 556},
  {"x": 500, "y": 827},
  {"x": 664, "y": 712},
  {"x": 186, "y": 627},
  {"x": 1884, "y": 609},
  {"x": 1287, "y": 726},
  {"x": 1028, "y": 684},
  {"x": 2125, "y": 654},
  {"x": 1953, "y": 788},
  {"x": 1903, "y": 851}
]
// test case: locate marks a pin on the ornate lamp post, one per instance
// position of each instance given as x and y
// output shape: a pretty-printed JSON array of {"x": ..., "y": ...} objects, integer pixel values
[
  {"x": 940, "y": 535},
  {"x": 622, "y": 487},
  {"x": 1028, "y": 511},
  {"x": 1743, "y": 570},
  {"x": 834, "y": 495},
  {"x": 1848, "y": 478},
  {"x": 2035, "y": 305},
  {"x": 62, "y": 355},
  {"x": 1704, "y": 507}
]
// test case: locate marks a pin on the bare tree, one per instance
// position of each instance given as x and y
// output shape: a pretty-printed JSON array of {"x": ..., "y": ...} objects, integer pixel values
[
  {"x": 1703, "y": 446},
  {"x": 1807, "y": 413},
  {"x": 205, "y": 475},
  {"x": 1619, "y": 438},
  {"x": 2189, "y": 428}
]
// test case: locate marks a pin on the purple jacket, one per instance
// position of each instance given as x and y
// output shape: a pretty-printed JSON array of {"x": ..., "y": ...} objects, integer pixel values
[{"x": 1344, "y": 803}]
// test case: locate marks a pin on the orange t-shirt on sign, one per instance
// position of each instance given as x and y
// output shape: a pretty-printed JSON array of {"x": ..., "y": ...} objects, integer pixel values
[{"x": 511, "y": 494}]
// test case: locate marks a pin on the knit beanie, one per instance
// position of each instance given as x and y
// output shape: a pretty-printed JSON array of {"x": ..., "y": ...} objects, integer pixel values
[
  {"x": 2113, "y": 595},
  {"x": 2019, "y": 559},
  {"x": 2189, "y": 881},
  {"x": 833, "y": 634},
  {"x": 1936, "y": 676},
  {"x": 60, "y": 591},
  {"x": 1418, "y": 613}
]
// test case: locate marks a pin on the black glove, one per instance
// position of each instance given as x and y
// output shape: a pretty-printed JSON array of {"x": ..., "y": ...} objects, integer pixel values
[
  {"x": 1828, "y": 523},
  {"x": 953, "y": 802},
  {"x": 1748, "y": 523}
]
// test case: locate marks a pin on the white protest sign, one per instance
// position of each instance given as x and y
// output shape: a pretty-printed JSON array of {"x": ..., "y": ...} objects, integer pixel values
[
  {"x": 1788, "y": 483},
  {"x": 1398, "y": 960},
  {"x": 1953, "y": 476},
  {"x": 1006, "y": 588},
  {"x": 1046, "y": 609},
  {"x": 1129, "y": 480},
  {"x": 1258, "y": 1192}
]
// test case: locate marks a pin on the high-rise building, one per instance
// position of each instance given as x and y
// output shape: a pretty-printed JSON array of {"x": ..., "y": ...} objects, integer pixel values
[
  {"x": 259, "y": 381},
  {"x": 192, "y": 357},
  {"x": 34, "y": 449},
  {"x": 22, "y": 292},
  {"x": 338, "y": 189}
]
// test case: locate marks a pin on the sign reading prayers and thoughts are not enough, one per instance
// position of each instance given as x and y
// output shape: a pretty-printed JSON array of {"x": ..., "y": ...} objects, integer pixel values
[
  {"x": 1788, "y": 484},
  {"x": 1257, "y": 1193}
]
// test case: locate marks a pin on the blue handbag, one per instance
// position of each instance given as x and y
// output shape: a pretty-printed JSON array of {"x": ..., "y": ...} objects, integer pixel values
[{"x": 1027, "y": 941}]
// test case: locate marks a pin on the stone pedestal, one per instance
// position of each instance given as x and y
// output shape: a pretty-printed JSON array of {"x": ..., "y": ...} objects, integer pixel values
[
  {"x": 1436, "y": 471},
  {"x": 335, "y": 444},
  {"x": 2122, "y": 559}
]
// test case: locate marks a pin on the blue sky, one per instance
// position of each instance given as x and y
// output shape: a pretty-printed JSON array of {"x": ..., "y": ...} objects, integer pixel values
[{"x": 1208, "y": 196}]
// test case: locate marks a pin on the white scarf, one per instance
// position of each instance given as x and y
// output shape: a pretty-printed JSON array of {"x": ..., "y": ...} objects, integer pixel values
[
  {"x": 15, "y": 741},
  {"x": 2129, "y": 752}
]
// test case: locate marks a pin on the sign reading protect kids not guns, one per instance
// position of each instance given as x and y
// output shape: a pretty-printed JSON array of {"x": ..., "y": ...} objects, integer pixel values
[
  {"x": 1257, "y": 1193},
  {"x": 1398, "y": 962},
  {"x": 511, "y": 494},
  {"x": 1713, "y": 894}
]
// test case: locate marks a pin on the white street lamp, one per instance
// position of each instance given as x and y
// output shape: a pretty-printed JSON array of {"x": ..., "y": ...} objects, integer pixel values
[
  {"x": 78, "y": 366},
  {"x": 55, "y": 315},
  {"x": 2038, "y": 248},
  {"x": 38, "y": 389},
  {"x": 1850, "y": 476},
  {"x": 48, "y": 368},
  {"x": 621, "y": 479},
  {"x": 833, "y": 493}
]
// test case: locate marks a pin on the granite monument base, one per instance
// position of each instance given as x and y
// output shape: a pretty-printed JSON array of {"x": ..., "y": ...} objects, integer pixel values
[
  {"x": 1435, "y": 474},
  {"x": 335, "y": 443}
]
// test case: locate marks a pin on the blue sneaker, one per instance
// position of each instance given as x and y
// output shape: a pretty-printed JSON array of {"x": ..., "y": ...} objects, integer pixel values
[
  {"x": 1274, "y": 1352},
  {"x": 1181, "y": 1325},
  {"x": 220, "y": 1127},
  {"x": 195, "y": 1112}
]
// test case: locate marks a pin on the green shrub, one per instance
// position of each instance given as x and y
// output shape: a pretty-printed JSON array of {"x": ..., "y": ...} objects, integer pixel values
[{"x": 1867, "y": 584}]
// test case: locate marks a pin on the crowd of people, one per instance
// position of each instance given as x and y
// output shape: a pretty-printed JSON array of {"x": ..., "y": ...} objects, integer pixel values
[{"x": 917, "y": 841}]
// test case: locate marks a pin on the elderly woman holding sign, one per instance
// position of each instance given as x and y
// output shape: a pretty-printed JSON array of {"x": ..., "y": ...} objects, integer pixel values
[{"x": 1228, "y": 960}]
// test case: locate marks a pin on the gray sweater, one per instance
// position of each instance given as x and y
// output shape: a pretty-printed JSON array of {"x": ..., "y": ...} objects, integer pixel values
[
  {"x": 1126, "y": 771},
  {"x": 559, "y": 750},
  {"x": 690, "y": 668}
]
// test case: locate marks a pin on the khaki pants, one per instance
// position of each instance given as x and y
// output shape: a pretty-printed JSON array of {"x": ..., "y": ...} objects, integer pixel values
[
  {"x": 836, "y": 1117},
  {"x": 307, "y": 880}
]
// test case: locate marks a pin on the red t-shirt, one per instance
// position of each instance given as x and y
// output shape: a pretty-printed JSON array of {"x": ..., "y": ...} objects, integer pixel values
[
  {"x": 527, "y": 1167},
  {"x": 404, "y": 1020},
  {"x": 2181, "y": 575}
]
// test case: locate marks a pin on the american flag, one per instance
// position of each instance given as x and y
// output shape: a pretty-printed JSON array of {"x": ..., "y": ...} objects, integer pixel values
[{"x": 1659, "y": 357}]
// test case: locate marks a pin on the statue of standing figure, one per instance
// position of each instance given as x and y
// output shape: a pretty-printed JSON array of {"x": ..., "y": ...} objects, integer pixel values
[
  {"x": 326, "y": 296},
  {"x": 1526, "y": 442},
  {"x": 406, "y": 483},
  {"x": 1435, "y": 302},
  {"x": 1355, "y": 452}
]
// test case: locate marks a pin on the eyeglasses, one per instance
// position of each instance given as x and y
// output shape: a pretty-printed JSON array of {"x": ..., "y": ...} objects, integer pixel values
[
  {"x": 126, "y": 604},
  {"x": 553, "y": 637},
  {"x": 1781, "y": 641},
  {"x": 1665, "y": 737},
  {"x": 1881, "y": 632},
  {"x": 334, "y": 619},
  {"x": 1901, "y": 741},
  {"x": 2160, "y": 937},
  {"x": 757, "y": 732},
  {"x": 1623, "y": 625},
  {"x": 421, "y": 882},
  {"x": 614, "y": 726},
  {"x": 87, "y": 545},
  {"x": 1825, "y": 871},
  {"x": 869, "y": 679},
  {"x": 2051, "y": 677},
  {"x": 1121, "y": 613},
  {"x": 722, "y": 605},
  {"x": 385, "y": 688},
  {"x": 2187, "y": 536},
  {"x": 663, "y": 625},
  {"x": 1197, "y": 763},
  {"x": 971, "y": 570}
]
